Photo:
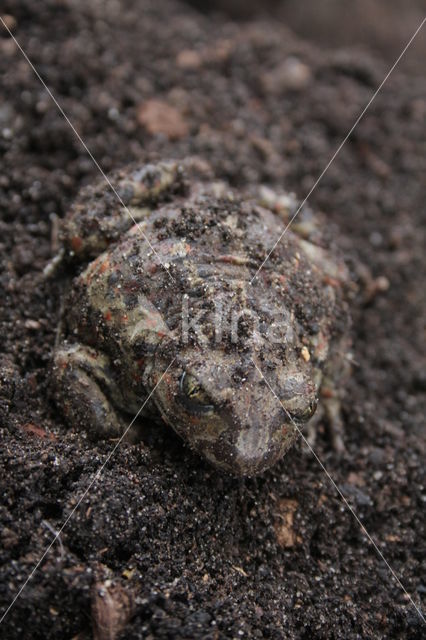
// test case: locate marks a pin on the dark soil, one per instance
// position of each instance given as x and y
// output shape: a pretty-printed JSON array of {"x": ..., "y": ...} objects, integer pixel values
[{"x": 190, "y": 552}]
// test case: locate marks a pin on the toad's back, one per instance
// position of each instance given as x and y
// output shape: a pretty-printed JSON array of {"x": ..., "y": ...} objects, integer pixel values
[{"x": 211, "y": 249}]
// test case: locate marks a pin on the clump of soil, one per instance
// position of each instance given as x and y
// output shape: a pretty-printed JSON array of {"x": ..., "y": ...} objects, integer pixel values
[{"x": 163, "y": 546}]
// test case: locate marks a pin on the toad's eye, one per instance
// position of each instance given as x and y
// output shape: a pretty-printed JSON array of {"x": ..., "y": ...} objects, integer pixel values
[
  {"x": 306, "y": 414},
  {"x": 194, "y": 397}
]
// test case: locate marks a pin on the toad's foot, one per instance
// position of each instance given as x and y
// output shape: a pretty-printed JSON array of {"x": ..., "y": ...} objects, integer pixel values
[{"x": 83, "y": 382}]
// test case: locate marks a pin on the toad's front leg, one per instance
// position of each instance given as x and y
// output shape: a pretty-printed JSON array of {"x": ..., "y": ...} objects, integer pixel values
[
  {"x": 336, "y": 373},
  {"x": 84, "y": 389},
  {"x": 329, "y": 412},
  {"x": 331, "y": 402}
]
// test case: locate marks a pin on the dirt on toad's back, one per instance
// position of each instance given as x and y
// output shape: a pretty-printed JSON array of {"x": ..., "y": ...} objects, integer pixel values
[{"x": 181, "y": 550}]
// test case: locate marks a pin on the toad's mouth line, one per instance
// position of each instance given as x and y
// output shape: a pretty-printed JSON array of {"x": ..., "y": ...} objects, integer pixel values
[{"x": 98, "y": 473}]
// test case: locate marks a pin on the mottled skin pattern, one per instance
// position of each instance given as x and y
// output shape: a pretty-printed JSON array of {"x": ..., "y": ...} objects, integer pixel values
[{"x": 123, "y": 322}]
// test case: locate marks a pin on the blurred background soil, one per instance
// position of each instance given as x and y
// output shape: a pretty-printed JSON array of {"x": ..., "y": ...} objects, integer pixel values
[{"x": 164, "y": 546}]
